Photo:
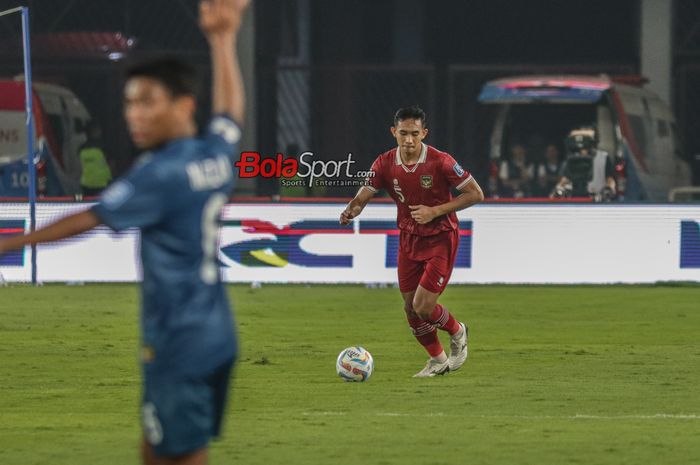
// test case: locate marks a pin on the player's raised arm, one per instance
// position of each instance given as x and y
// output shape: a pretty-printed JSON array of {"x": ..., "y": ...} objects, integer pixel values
[
  {"x": 356, "y": 205},
  {"x": 67, "y": 227},
  {"x": 220, "y": 21}
]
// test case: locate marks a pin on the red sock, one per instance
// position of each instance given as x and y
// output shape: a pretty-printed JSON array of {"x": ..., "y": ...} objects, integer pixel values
[
  {"x": 443, "y": 319},
  {"x": 426, "y": 335}
]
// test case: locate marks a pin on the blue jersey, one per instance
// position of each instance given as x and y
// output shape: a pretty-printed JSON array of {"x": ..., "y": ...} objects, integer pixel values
[{"x": 174, "y": 195}]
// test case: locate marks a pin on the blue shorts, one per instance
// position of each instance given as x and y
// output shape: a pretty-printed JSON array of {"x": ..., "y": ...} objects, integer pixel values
[{"x": 181, "y": 413}]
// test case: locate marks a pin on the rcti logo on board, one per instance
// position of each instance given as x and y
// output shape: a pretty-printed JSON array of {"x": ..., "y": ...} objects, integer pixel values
[
  {"x": 690, "y": 244},
  {"x": 284, "y": 248}
]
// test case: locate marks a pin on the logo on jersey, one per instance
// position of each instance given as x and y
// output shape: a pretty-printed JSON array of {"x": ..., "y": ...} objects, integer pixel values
[
  {"x": 117, "y": 194},
  {"x": 148, "y": 354},
  {"x": 690, "y": 244},
  {"x": 426, "y": 181},
  {"x": 226, "y": 129},
  {"x": 458, "y": 169}
]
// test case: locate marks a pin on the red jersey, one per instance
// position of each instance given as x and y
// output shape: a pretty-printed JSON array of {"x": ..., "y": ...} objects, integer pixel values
[{"x": 429, "y": 182}]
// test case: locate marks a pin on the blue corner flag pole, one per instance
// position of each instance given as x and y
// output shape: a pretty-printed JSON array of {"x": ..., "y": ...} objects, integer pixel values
[{"x": 28, "y": 96}]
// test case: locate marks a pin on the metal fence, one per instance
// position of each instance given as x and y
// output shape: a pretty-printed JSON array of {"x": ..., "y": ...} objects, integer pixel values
[
  {"x": 686, "y": 44},
  {"x": 333, "y": 110},
  {"x": 686, "y": 28},
  {"x": 82, "y": 44}
]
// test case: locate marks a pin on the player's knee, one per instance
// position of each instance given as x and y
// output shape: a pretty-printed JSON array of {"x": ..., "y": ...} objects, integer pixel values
[
  {"x": 408, "y": 304},
  {"x": 422, "y": 307},
  {"x": 410, "y": 313}
]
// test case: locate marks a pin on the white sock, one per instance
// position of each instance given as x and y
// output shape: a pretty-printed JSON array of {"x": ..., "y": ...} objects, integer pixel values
[{"x": 442, "y": 357}]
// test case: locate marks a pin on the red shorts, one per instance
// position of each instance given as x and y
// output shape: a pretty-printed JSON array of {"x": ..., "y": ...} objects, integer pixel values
[{"x": 426, "y": 260}]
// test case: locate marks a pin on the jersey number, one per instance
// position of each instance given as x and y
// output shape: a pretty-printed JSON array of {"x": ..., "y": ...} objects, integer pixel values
[
  {"x": 20, "y": 180},
  {"x": 210, "y": 229},
  {"x": 397, "y": 189}
]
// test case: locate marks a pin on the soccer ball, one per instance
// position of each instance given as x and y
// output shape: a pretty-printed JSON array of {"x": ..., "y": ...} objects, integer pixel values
[{"x": 354, "y": 364}]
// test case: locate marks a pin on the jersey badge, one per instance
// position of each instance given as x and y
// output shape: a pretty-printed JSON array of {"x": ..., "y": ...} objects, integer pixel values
[
  {"x": 226, "y": 129},
  {"x": 116, "y": 194}
]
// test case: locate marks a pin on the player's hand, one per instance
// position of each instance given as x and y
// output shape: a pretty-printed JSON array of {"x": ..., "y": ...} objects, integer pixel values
[
  {"x": 349, "y": 213},
  {"x": 346, "y": 217},
  {"x": 422, "y": 214},
  {"x": 221, "y": 18}
]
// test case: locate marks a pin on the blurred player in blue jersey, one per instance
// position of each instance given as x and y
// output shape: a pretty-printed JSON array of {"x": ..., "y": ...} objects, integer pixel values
[{"x": 174, "y": 195}]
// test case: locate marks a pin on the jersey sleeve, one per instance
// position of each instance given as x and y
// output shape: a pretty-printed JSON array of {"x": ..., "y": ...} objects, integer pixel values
[
  {"x": 456, "y": 176},
  {"x": 137, "y": 200},
  {"x": 375, "y": 182},
  {"x": 223, "y": 134}
]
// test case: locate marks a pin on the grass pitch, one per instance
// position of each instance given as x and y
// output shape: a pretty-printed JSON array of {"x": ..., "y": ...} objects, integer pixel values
[{"x": 556, "y": 375}]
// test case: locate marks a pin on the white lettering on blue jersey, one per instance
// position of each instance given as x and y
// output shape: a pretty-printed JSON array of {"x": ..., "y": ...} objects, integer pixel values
[{"x": 210, "y": 173}]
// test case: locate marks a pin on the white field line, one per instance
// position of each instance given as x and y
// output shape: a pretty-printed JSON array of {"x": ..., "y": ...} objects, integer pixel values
[{"x": 578, "y": 416}]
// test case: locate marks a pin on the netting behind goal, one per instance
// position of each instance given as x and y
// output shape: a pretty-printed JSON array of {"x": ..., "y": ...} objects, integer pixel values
[{"x": 18, "y": 157}]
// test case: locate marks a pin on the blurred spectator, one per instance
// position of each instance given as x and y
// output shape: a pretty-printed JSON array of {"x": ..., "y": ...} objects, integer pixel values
[
  {"x": 536, "y": 145},
  {"x": 548, "y": 171},
  {"x": 95, "y": 172},
  {"x": 516, "y": 174}
]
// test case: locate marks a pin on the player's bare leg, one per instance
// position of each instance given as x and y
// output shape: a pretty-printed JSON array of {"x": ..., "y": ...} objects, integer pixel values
[
  {"x": 426, "y": 307},
  {"x": 426, "y": 334},
  {"x": 198, "y": 457}
]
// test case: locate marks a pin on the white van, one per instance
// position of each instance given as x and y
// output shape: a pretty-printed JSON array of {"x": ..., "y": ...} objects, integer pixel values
[
  {"x": 60, "y": 119},
  {"x": 634, "y": 125}
]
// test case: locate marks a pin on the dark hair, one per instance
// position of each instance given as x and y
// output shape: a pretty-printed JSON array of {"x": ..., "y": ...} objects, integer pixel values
[
  {"x": 412, "y": 112},
  {"x": 178, "y": 77}
]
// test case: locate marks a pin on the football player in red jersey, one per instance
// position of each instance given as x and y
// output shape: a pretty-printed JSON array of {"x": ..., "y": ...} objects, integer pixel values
[{"x": 420, "y": 179}]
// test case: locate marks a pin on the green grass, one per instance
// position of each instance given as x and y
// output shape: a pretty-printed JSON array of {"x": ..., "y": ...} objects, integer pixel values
[{"x": 556, "y": 375}]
